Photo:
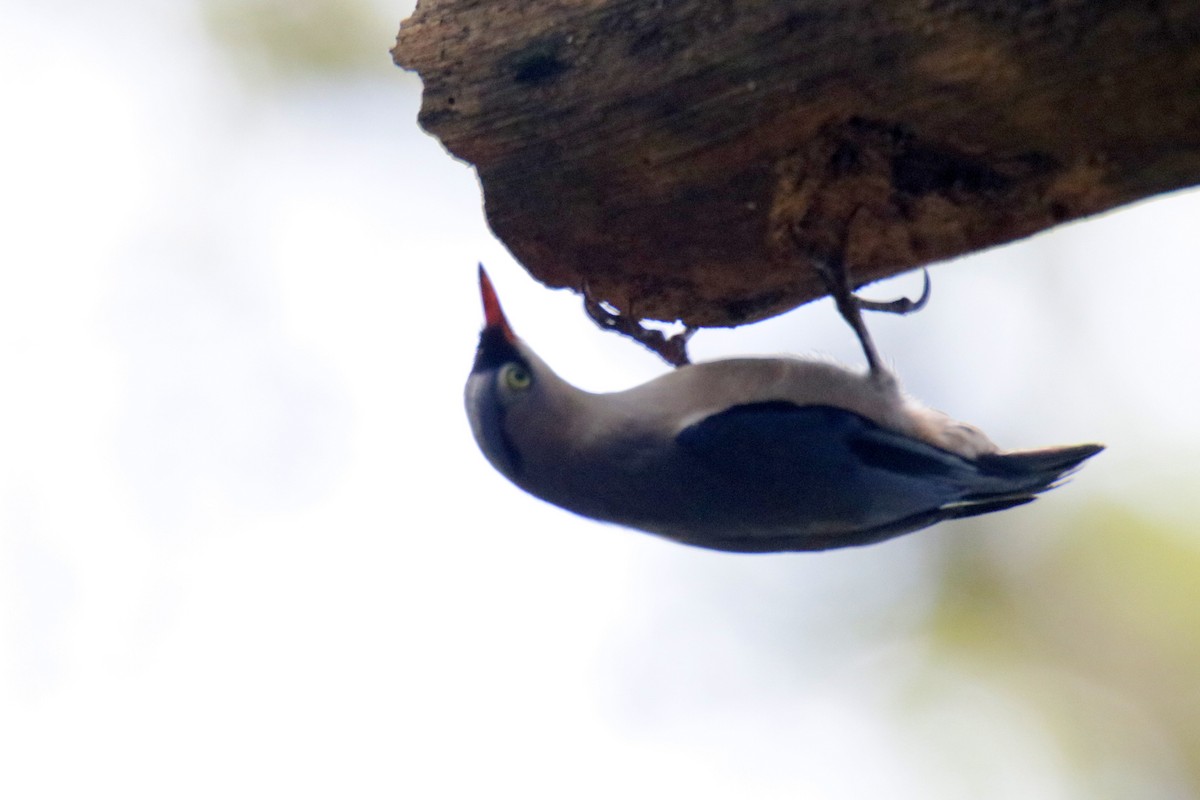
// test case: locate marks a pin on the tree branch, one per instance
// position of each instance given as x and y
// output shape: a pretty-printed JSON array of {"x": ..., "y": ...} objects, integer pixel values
[{"x": 689, "y": 159}]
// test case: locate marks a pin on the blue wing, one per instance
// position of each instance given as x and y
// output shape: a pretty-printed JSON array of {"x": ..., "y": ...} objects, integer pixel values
[{"x": 820, "y": 477}]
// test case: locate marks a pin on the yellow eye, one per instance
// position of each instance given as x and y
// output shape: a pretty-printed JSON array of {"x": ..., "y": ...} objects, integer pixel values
[{"x": 516, "y": 377}]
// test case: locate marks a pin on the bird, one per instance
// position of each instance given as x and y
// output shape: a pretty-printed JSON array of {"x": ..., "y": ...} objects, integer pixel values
[{"x": 748, "y": 454}]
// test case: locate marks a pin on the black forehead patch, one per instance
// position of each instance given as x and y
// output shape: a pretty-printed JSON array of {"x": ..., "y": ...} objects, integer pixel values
[{"x": 495, "y": 349}]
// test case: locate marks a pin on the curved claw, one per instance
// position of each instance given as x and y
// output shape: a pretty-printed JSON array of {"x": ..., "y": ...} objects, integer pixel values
[
  {"x": 672, "y": 349},
  {"x": 901, "y": 305}
]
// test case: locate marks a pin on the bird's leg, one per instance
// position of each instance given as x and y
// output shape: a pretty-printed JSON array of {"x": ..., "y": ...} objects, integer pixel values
[
  {"x": 837, "y": 282},
  {"x": 672, "y": 349},
  {"x": 831, "y": 269}
]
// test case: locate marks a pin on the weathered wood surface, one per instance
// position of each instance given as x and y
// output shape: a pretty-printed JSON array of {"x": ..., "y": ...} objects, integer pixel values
[{"x": 683, "y": 160}]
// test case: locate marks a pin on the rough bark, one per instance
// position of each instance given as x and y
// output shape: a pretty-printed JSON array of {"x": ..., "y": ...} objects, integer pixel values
[{"x": 686, "y": 160}]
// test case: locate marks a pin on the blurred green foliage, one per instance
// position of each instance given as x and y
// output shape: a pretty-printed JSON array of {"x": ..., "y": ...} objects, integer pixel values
[
  {"x": 295, "y": 39},
  {"x": 1098, "y": 634}
]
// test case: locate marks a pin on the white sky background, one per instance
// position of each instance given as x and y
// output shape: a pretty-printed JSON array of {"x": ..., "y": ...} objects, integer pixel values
[{"x": 248, "y": 548}]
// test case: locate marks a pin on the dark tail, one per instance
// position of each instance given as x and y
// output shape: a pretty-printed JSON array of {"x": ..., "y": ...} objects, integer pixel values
[
  {"x": 1027, "y": 473},
  {"x": 1045, "y": 466}
]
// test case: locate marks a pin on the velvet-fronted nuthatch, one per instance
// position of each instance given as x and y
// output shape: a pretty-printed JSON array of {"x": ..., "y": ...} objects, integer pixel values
[{"x": 746, "y": 454}]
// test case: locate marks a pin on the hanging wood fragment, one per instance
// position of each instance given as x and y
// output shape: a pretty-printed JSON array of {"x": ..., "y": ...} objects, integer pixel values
[{"x": 687, "y": 159}]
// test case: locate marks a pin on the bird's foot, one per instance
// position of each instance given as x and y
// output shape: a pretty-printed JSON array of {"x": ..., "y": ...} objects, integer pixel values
[
  {"x": 837, "y": 282},
  {"x": 834, "y": 275},
  {"x": 901, "y": 305},
  {"x": 672, "y": 349}
]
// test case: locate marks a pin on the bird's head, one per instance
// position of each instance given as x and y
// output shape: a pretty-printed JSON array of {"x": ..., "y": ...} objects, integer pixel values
[{"x": 506, "y": 383}]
